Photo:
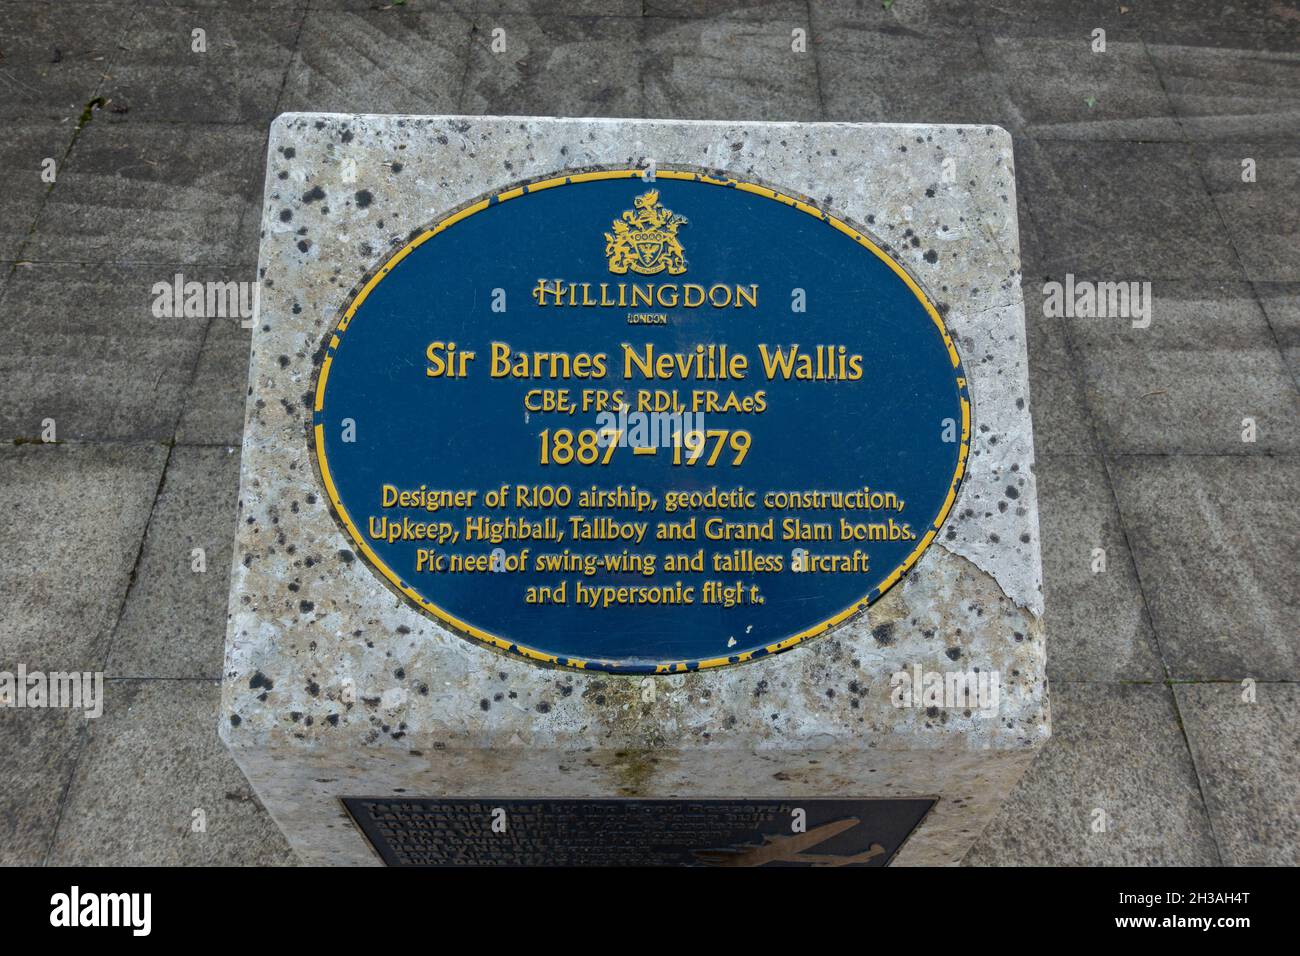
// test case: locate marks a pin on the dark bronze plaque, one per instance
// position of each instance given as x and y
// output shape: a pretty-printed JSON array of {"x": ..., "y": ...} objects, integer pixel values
[{"x": 421, "y": 831}]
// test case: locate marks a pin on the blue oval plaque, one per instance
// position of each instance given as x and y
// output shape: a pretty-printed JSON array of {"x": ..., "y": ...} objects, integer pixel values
[{"x": 641, "y": 426}]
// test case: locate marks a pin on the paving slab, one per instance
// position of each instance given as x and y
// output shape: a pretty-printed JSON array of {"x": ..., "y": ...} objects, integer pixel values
[
  {"x": 551, "y": 65},
  {"x": 760, "y": 10},
  {"x": 175, "y": 611},
  {"x": 24, "y": 151},
  {"x": 1231, "y": 92},
  {"x": 1032, "y": 252},
  {"x": 249, "y": 233},
  {"x": 470, "y": 8},
  {"x": 214, "y": 403},
  {"x": 159, "y": 74},
  {"x": 55, "y": 57},
  {"x": 1062, "y": 89},
  {"x": 151, "y": 770},
  {"x": 38, "y": 750},
  {"x": 1249, "y": 35},
  {"x": 1062, "y": 419},
  {"x": 1117, "y": 757},
  {"x": 1215, "y": 543},
  {"x": 1157, "y": 402},
  {"x": 84, "y": 347},
  {"x": 892, "y": 74},
  {"x": 1125, "y": 211},
  {"x": 1262, "y": 19},
  {"x": 730, "y": 67},
  {"x": 1262, "y": 217},
  {"x": 577, "y": 8},
  {"x": 1247, "y": 754},
  {"x": 1206, "y": 361},
  {"x": 245, "y": 5},
  {"x": 1096, "y": 615},
  {"x": 899, "y": 18},
  {"x": 72, "y": 518},
  {"x": 364, "y": 60},
  {"x": 253, "y": 6},
  {"x": 151, "y": 193},
  {"x": 1051, "y": 17}
]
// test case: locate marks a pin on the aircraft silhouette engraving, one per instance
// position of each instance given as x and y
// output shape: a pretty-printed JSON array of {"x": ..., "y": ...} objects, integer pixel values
[{"x": 791, "y": 849}]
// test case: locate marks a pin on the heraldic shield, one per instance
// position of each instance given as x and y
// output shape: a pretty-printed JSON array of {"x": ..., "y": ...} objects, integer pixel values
[{"x": 645, "y": 239}]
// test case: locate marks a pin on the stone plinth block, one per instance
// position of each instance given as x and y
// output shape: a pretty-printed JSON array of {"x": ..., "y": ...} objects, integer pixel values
[{"x": 636, "y": 491}]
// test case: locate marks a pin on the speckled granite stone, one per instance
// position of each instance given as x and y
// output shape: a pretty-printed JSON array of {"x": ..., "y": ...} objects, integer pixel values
[{"x": 334, "y": 687}]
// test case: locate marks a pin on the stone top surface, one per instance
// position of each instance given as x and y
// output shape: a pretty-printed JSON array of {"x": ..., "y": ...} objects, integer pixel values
[{"x": 320, "y": 654}]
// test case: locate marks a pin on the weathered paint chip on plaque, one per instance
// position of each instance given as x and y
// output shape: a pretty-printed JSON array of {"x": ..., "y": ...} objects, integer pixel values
[{"x": 641, "y": 426}]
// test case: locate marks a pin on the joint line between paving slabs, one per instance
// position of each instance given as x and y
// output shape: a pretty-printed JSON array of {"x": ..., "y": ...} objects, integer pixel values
[
  {"x": 463, "y": 92},
  {"x": 817, "y": 65},
  {"x": 303, "y": 13},
  {"x": 1196, "y": 772},
  {"x": 86, "y": 117},
  {"x": 84, "y": 732}
]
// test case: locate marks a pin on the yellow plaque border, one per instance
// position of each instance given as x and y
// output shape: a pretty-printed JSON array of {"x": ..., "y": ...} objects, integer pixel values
[{"x": 334, "y": 337}]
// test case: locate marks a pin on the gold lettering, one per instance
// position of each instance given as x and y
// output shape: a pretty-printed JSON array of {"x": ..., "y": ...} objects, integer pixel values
[{"x": 542, "y": 291}]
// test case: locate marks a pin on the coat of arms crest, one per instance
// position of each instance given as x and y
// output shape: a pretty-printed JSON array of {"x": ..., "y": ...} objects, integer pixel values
[{"x": 645, "y": 239}]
